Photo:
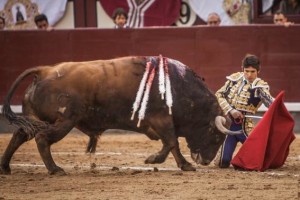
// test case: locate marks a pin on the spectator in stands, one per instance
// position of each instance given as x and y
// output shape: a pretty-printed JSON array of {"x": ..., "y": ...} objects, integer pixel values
[
  {"x": 2, "y": 23},
  {"x": 41, "y": 22},
  {"x": 213, "y": 19},
  {"x": 120, "y": 18},
  {"x": 280, "y": 19},
  {"x": 290, "y": 7}
]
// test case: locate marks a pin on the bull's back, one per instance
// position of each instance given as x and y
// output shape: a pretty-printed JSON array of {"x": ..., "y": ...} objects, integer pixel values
[
  {"x": 108, "y": 77},
  {"x": 102, "y": 90}
]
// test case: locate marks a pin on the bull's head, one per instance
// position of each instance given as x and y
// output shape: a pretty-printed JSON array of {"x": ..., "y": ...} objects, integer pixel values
[{"x": 205, "y": 147}]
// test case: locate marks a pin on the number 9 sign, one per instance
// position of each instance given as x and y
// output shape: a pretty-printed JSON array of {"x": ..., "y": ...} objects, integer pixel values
[{"x": 187, "y": 15}]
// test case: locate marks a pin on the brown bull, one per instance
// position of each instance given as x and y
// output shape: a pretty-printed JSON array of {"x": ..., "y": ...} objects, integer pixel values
[{"x": 99, "y": 95}]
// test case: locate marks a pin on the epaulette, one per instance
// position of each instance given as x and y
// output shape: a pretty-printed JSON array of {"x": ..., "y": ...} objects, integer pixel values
[
  {"x": 259, "y": 83},
  {"x": 235, "y": 76}
]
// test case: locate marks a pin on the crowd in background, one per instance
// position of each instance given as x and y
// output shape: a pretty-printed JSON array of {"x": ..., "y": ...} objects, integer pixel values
[
  {"x": 240, "y": 12},
  {"x": 280, "y": 9}
]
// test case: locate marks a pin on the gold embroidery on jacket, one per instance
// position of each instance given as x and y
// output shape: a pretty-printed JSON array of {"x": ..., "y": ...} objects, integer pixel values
[{"x": 239, "y": 94}]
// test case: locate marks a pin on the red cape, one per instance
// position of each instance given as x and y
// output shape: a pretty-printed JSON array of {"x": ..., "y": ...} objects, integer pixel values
[{"x": 267, "y": 146}]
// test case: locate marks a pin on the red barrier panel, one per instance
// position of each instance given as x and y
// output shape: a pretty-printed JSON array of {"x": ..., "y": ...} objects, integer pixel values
[{"x": 213, "y": 52}]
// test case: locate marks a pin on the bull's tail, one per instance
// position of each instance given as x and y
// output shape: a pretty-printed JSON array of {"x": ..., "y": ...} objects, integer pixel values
[{"x": 29, "y": 125}]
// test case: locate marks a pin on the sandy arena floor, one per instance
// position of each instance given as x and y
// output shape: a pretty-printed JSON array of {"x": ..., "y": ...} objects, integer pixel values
[{"x": 117, "y": 171}]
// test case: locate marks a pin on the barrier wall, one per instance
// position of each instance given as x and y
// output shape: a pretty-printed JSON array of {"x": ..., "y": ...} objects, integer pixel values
[{"x": 213, "y": 52}]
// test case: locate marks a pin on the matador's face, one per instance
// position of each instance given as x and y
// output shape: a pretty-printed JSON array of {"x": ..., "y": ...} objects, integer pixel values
[{"x": 250, "y": 74}]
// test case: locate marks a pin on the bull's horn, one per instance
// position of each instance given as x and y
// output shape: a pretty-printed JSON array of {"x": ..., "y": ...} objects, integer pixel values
[{"x": 220, "y": 122}]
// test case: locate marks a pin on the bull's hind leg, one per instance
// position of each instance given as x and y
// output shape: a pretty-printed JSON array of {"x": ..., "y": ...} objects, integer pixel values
[
  {"x": 18, "y": 138},
  {"x": 44, "y": 140}
]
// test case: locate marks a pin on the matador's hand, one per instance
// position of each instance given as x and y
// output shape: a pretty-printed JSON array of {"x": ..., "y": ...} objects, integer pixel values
[{"x": 236, "y": 114}]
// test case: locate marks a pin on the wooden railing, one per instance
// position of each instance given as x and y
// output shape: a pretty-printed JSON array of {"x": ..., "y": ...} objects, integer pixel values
[{"x": 213, "y": 52}]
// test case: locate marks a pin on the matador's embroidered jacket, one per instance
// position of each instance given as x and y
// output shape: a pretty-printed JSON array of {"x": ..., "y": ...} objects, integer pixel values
[{"x": 239, "y": 94}]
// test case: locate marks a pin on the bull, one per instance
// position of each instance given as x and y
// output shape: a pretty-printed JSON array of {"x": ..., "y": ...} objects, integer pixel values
[{"x": 98, "y": 95}]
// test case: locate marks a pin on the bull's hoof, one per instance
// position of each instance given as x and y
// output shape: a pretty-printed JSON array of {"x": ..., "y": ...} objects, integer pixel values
[
  {"x": 154, "y": 159},
  {"x": 57, "y": 172},
  {"x": 188, "y": 167},
  {"x": 5, "y": 170}
]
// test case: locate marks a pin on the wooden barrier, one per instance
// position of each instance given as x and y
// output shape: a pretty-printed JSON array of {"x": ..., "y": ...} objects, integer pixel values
[{"x": 213, "y": 52}]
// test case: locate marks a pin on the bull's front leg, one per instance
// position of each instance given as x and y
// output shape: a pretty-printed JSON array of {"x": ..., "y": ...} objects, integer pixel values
[
  {"x": 18, "y": 138},
  {"x": 44, "y": 140},
  {"x": 181, "y": 161},
  {"x": 170, "y": 144},
  {"x": 159, "y": 157},
  {"x": 167, "y": 135}
]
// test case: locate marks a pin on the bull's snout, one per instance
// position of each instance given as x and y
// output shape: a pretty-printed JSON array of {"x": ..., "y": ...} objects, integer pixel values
[
  {"x": 205, "y": 162},
  {"x": 197, "y": 158}
]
